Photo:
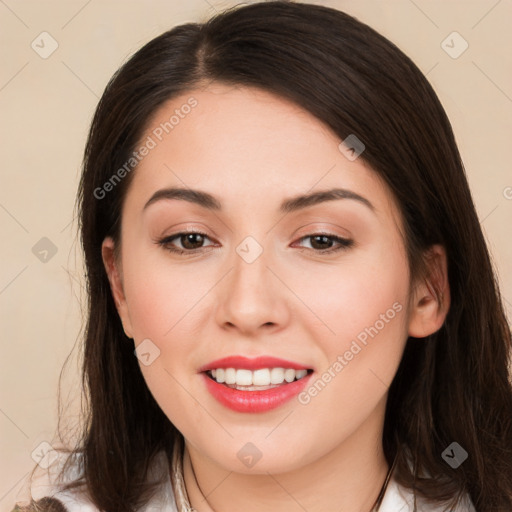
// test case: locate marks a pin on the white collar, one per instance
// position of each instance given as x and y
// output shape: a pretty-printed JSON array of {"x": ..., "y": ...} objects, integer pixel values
[{"x": 396, "y": 497}]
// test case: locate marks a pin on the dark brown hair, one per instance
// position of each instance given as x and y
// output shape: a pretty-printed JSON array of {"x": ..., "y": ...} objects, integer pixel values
[{"x": 454, "y": 385}]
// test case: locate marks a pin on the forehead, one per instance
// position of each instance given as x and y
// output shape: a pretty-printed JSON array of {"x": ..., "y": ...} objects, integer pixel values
[
  {"x": 235, "y": 123},
  {"x": 238, "y": 142}
]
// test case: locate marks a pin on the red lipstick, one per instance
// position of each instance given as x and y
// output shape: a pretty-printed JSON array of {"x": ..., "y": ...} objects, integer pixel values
[
  {"x": 255, "y": 401},
  {"x": 251, "y": 364}
]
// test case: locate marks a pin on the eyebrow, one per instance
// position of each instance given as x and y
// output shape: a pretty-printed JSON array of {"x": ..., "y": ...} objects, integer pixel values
[{"x": 292, "y": 204}]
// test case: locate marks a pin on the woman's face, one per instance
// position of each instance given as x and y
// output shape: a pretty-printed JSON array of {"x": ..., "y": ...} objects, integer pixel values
[{"x": 266, "y": 277}]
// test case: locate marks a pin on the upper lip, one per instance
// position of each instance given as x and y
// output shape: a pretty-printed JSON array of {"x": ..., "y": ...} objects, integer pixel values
[{"x": 255, "y": 363}]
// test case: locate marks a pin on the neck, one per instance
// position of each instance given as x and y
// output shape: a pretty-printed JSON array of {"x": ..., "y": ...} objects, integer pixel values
[{"x": 348, "y": 478}]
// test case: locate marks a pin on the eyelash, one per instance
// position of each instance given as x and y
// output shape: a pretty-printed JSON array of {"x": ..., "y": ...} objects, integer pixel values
[{"x": 344, "y": 243}]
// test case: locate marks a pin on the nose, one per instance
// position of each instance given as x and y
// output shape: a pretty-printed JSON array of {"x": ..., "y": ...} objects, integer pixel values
[{"x": 251, "y": 297}]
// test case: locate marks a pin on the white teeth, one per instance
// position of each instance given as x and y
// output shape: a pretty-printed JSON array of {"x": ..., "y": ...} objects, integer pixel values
[
  {"x": 276, "y": 375},
  {"x": 230, "y": 376},
  {"x": 301, "y": 373},
  {"x": 243, "y": 378},
  {"x": 261, "y": 377},
  {"x": 289, "y": 375}
]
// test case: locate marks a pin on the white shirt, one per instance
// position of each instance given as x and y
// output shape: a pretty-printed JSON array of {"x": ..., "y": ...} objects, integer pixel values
[{"x": 396, "y": 498}]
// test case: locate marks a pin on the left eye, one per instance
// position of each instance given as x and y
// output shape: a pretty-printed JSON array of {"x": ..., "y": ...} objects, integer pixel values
[
  {"x": 320, "y": 239},
  {"x": 192, "y": 241}
]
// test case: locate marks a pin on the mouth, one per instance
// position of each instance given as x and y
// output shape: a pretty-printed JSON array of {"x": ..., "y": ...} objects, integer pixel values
[
  {"x": 254, "y": 385},
  {"x": 261, "y": 379},
  {"x": 257, "y": 385}
]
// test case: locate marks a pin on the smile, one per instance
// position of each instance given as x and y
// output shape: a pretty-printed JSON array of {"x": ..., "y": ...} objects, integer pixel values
[
  {"x": 254, "y": 385},
  {"x": 257, "y": 379}
]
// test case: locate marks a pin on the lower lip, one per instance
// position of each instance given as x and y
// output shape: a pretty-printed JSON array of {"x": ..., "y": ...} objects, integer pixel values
[{"x": 255, "y": 401}]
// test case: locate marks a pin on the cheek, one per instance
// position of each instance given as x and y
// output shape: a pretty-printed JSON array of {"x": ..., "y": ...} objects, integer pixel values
[
  {"x": 159, "y": 294},
  {"x": 362, "y": 306},
  {"x": 161, "y": 299},
  {"x": 363, "y": 303},
  {"x": 364, "y": 290}
]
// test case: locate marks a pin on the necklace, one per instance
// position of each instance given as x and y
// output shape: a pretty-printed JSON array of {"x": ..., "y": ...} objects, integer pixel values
[{"x": 180, "y": 491}]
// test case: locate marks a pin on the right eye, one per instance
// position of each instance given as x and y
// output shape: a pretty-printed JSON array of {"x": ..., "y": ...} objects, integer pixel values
[{"x": 186, "y": 239}]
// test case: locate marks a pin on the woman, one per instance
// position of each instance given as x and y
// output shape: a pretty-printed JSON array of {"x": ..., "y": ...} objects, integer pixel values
[{"x": 277, "y": 224}]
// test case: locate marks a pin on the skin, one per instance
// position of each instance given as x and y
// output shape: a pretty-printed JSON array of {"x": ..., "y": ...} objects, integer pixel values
[{"x": 252, "y": 150}]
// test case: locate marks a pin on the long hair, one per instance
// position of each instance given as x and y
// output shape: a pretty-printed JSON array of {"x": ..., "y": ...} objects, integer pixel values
[{"x": 453, "y": 386}]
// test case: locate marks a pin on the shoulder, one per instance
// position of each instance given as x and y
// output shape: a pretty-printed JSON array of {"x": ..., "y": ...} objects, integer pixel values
[
  {"x": 400, "y": 498},
  {"x": 43, "y": 505},
  {"x": 47, "y": 493},
  {"x": 45, "y": 489}
]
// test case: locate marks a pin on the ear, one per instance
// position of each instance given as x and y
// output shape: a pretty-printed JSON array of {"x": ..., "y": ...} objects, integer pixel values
[
  {"x": 430, "y": 300},
  {"x": 116, "y": 284}
]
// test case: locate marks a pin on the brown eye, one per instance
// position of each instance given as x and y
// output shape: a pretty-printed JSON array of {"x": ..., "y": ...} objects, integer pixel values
[
  {"x": 188, "y": 242},
  {"x": 322, "y": 242},
  {"x": 192, "y": 240}
]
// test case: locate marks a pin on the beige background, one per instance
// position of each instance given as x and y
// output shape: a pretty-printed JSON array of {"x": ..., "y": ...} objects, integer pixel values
[{"x": 47, "y": 105}]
